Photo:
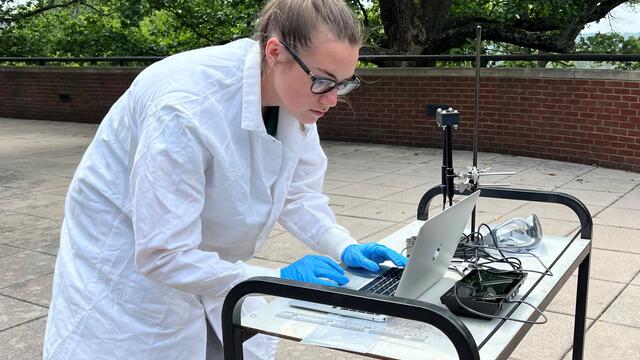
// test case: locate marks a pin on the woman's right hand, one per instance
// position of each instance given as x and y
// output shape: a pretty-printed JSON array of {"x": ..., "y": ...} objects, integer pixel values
[{"x": 315, "y": 269}]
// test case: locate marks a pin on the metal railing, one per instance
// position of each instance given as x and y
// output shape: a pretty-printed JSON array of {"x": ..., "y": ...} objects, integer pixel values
[
  {"x": 113, "y": 60},
  {"x": 505, "y": 57},
  {"x": 125, "y": 60}
]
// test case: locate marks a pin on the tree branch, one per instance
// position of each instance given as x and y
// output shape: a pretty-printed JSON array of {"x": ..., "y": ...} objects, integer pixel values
[
  {"x": 364, "y": 12},
  {"x": 187, "y": 23},
  {"x": 24, "y": 15},
  {"x": 601, "y": 9},
  {"x": 540, "y": 34},
  {"x": 530, "y": 24},
  {"x": 593, "y": 10},
  {"x": 96, "y": 9},
  {"x": 550, "y": 42},
  {"x": 376, "y": 50}
]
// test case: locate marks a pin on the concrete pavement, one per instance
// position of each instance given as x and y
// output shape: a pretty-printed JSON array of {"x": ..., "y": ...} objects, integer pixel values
[{"x": 374, "y": 190}]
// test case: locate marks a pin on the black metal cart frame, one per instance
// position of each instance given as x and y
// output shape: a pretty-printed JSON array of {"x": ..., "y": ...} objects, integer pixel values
[{"x": 234, "y": 334}]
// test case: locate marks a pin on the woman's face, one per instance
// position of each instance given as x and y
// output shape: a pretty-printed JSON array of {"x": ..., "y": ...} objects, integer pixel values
[{"x": 291, "y": 86}]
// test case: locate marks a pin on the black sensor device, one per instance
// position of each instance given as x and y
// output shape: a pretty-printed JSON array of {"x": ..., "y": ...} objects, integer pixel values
[{"x": 483, "y": 291}]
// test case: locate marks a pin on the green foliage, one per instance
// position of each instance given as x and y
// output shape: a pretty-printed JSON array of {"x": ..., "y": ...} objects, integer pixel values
[
  {"x": 373, "y": 31},
  {"x": 164, "y": 27},
  {"x": 215, "y": 22},
  {"x": 553, "y": 11},
  {"x": 612, "y": 43},
  {"x": 124, "y": 28}
]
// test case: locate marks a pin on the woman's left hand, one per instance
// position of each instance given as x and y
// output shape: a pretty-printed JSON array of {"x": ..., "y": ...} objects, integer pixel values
[{"x": 368, "y": 256}]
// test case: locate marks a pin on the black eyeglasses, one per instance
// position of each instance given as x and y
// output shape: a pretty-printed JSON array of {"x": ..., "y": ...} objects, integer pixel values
[{"x": 323, "y": 85}]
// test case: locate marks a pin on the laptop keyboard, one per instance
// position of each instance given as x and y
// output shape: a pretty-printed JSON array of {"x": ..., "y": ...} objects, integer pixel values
[{"x": 385, "y": 283}]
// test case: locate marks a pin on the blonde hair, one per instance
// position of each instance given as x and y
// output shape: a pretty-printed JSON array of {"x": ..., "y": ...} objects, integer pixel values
[{"x": 297, "y": 21}]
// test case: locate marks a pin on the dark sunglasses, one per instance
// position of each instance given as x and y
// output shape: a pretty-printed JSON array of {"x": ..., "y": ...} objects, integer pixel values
[{"x": 323, "y": 85}]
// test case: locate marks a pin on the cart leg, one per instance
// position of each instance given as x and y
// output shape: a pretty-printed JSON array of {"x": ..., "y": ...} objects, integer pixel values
[
  {"x": 233, "y": 351},
  {"x": 581, "y": 308}
]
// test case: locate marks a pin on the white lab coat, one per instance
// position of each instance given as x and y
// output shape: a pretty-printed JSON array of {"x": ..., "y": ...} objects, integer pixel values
[{"x": 179, "y": 187}]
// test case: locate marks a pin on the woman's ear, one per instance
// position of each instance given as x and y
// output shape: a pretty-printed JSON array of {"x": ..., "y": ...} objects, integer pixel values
[{"x": 273, "y": 51}]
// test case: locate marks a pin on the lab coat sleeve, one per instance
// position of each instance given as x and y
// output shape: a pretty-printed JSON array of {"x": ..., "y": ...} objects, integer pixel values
[
  {"x": 306, "y": 212},
  {"x": 167, "y": 185}
]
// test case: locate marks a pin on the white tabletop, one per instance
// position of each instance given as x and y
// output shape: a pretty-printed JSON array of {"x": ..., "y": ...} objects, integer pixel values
[{"x": 433, "y": 344}]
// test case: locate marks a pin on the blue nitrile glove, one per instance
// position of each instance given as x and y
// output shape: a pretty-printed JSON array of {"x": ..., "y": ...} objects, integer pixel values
[
  {"x": 368, "y": 256},
  {"x": 312, "y": 268}
]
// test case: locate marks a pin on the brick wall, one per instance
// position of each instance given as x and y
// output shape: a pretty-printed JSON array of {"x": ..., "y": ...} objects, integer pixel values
[
  {"x": 584, "y": 116},
  {"x": 62, "y": 93}
]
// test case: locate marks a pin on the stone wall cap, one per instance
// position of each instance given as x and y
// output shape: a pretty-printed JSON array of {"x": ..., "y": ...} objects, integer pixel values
[
  {"x": 596, "y": 74},
  {"x": 73, "y": 69}
]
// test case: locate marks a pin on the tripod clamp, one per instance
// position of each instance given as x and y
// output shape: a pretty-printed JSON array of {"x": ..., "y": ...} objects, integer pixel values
[
  {"x": 469, "y": 181},
  {"x": 448, "y": 120}
]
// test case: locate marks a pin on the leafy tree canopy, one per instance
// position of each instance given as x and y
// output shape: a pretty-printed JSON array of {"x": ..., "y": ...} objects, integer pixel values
[
  {"x": 611, "y": 44},
  {"x": 125, "y": 28},
  {"x": 164, "y": 27},
  {"x": 434, "y": 27}
]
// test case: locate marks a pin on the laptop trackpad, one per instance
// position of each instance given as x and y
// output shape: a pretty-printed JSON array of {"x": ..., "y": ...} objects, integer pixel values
[{"x": 362, "y": 272}]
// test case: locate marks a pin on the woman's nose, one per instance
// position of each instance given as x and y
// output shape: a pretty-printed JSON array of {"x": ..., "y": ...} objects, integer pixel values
[{"x": 330, "y": 99}]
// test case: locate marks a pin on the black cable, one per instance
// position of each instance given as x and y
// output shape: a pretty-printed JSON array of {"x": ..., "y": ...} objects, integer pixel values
[
  {"x": 546, "y": 272},
  {"x": 493, "y": 237},
  {"x": 473, "y": 251}
]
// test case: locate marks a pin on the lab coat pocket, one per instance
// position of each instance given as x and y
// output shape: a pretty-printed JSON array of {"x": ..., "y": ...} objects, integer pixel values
[{"x": 156, "y": 304}]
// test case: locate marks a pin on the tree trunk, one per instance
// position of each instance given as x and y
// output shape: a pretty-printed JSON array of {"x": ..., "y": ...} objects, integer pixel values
[
  {"x": 410, "y": 26},
  {"x": 434, "y": 15},
  {"x": 398, "y": 21}
]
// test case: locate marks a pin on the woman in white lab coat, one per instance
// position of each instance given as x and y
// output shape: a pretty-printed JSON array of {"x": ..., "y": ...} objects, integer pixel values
[{"x": 185, "y": 179}]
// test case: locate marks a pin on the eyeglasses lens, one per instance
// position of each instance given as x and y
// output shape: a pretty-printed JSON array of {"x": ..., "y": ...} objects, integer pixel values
[
  {"x": 321, "y": 86},
  {"x": 345, "y": 88}
]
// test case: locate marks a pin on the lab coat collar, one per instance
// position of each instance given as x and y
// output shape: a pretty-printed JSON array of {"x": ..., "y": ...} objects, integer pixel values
[
  {"x": 252, "y": 101},
  {"x": 251, "y": 98}
]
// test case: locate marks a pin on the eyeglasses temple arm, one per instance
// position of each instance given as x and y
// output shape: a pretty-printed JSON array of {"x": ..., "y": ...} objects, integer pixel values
[{"x": 296, "y": 58}]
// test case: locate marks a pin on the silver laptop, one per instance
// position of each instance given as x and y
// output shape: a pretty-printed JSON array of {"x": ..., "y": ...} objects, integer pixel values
[{"x": 430, "y": 258}]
